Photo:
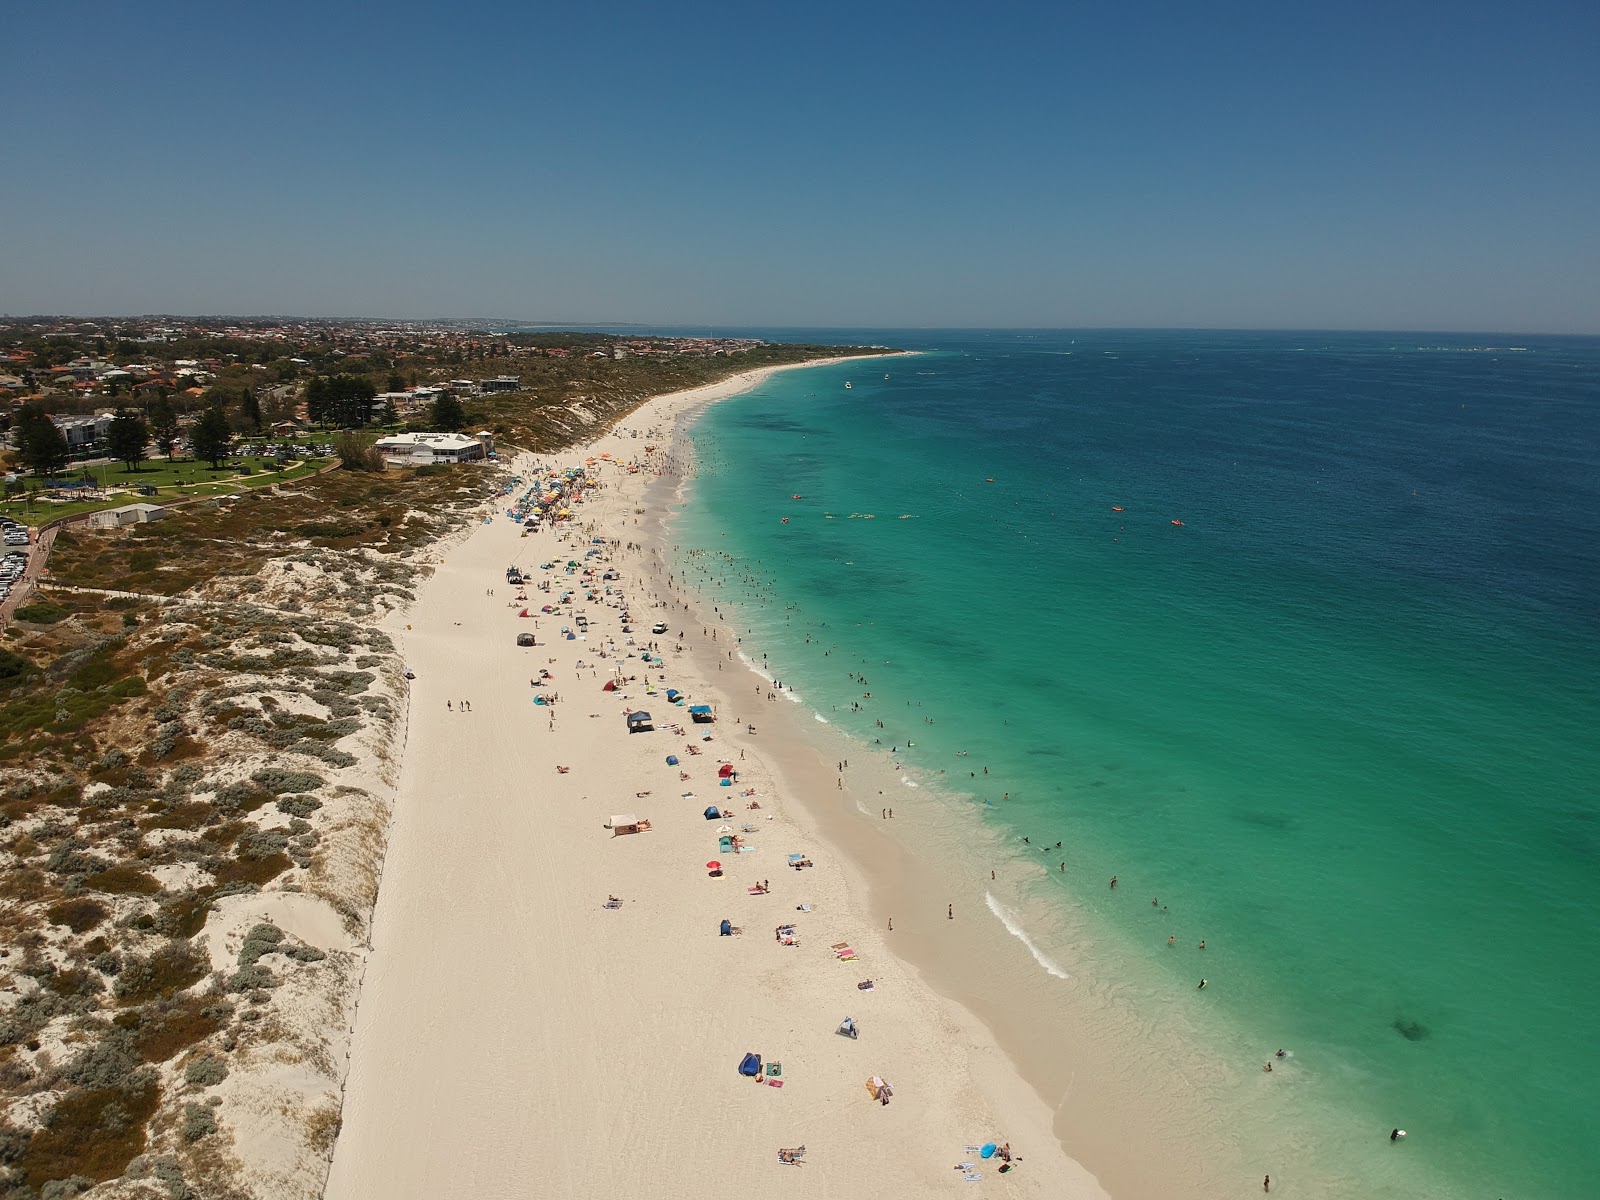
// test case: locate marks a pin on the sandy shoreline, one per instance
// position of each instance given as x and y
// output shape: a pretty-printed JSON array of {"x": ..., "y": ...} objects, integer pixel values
[{"x": 513, "y": 1035}]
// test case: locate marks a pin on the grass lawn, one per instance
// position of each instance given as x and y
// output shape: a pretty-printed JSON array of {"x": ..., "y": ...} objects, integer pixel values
[{"x": 172, "y": 481}]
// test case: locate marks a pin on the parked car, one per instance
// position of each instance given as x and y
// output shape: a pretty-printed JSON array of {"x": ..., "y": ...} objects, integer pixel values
[{"x": 659, "y": 627}]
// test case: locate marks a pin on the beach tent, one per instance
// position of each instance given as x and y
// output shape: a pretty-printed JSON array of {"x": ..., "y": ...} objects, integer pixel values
[
  {"x": 750, "y": 1065},
  {"x": 610, "y": 686},
  {"x": 700, "y": 713},
  {"x": 713, "y": 813},
  {"x": 672, "y": 760},
  {"x": 639, "y": 720},
  {"x": 672, "y": 695}
]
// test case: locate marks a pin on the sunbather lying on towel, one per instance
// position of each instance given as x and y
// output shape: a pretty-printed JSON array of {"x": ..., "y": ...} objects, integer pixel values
[{"x": 792, "y": 1157}]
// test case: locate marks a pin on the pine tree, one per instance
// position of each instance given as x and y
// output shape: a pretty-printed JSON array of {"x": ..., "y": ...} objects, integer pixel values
[
  {"x": 164, "y": 425},
  {"x": 448, "y": 415},
  {"x": 211, "y": 436},
  {"x": 127, "y": 438}
]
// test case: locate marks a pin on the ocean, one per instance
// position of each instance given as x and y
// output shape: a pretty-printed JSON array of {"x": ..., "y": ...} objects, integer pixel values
[{"x": 1296, "y": 634}]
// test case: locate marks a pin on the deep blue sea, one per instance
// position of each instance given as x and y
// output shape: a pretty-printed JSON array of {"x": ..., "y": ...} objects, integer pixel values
[{"x": 1342, "y": 719}]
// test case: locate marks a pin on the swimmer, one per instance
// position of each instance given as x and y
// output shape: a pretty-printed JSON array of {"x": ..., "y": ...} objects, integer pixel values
[
  {"x": 1172, "y": 941},
  {"x": 1202, "y": 945},
  {"x": 1113, "y": 878},
  {"x": 1202, "y": 984}
]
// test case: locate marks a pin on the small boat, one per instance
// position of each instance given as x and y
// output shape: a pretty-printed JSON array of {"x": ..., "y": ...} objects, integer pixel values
[
  {"x": 1116, "y": 508},
  {"x": 886, "y": 376},
  {"x": 847, "y": 385},
  {"x": 1177, "y": 522}
]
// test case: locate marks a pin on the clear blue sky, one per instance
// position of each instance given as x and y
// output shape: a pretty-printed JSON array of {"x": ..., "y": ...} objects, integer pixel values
[{"x": 1350, "y": 165}]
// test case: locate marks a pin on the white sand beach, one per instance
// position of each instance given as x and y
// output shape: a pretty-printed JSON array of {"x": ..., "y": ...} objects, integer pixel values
[{"x": 514, "y": 1036}]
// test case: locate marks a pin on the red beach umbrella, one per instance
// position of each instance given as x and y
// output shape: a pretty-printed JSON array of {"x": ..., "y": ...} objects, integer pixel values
[
  {"x": 713, "y": 865},
  {"x": 725, "y": 770}
]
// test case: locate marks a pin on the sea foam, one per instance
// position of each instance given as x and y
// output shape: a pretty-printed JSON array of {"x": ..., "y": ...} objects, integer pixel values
[{"x": 1014, "y": 927}]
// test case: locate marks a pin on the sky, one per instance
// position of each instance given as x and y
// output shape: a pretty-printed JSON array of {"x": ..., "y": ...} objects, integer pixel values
[{"x": 1397, "y": 165}]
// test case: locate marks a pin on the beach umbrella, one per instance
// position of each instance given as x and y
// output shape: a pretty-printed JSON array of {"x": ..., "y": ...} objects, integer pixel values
[
  {"x": 713, "y": 865},
  {"x": 725, "y": 770}
]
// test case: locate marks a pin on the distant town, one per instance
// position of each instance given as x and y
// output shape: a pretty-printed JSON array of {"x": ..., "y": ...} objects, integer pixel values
[{"x": 273, "y": 391}]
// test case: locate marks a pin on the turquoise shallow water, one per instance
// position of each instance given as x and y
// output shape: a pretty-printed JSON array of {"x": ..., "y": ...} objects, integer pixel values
[{"x": 1341, "y": 720}]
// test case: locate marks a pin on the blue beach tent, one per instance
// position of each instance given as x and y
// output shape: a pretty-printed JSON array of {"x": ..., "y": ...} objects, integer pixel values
[
  {"x": 750, "y": 1065},
  {"x": 713, "y": 813}
]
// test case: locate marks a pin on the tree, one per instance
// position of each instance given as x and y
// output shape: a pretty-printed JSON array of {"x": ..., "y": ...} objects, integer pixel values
[
  {"x": 388, "y": 416},
  {"x": 42, "y": 446},
  {"x": 211, "y": 436},
  {"x": 127, "y": 437},
  {"x": 396, "y": 384},
  {"x": 252, "y": 408},
  {"x": 164, "y": 425},
  {"x": 448, "y": 414},
  {"x": 345, "y": 400}
]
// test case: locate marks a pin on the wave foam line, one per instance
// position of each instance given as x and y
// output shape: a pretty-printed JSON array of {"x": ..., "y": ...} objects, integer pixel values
[{"x": 1014, "y": 927}]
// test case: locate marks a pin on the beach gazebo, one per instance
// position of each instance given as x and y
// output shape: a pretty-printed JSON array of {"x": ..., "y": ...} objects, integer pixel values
[{"x": 639, "y": 720}]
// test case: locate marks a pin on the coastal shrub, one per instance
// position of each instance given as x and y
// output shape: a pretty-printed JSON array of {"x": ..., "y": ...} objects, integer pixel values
[
  {"x": 206, "y": 1071},
  {"x": 91, "y": 1132},
  {"x": 331, "y": 755},
  {"x": 262, "y": 843},
  {"x": 250, "y": 979},
  {"x": 197, "y": 1122},
  {"x": 72, "y": 858},
  {"x": 27, "y": 1016},
  {"x": 241, "y": 797},
  {"x": 108, "y": 962},
  {"x": 13, "y": 669},
  {"x": 298, "y": 806},
  {"x": 41, "y": 612},
  {"x": 104, "y": 1064},
  {"x": 307, "y": 954},
  {"x": 79, "y": 915},
  {"x": 123, "y": 880},
  {"x": 64, "y": 1189},
  {"x": 164, "y": 1029},
  {"x": 252, "y": 871},
  {"x": 279, "y": 781},
  {"x": 262, "y": 939},
  {"x": 183, "y": 916},
  {"x": 170, "y": 969}
]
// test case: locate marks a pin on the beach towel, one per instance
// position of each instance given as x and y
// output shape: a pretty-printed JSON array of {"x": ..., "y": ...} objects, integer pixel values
[
  {"x": 774, "y": 1069},
  {"x": 971, "y": 1176},
  {"x": 774, "y": 1083}
]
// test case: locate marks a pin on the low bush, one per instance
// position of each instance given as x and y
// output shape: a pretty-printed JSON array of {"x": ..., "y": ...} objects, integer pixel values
[
  {"x": 279, "y": 781},
  {"x": 197, "y": 1122},
  {"x": 206, "y": 1071},
  {"x": 123, "y": 880},
  {"x": 262, "y": 939},
  {"x": 171, "y": 969},
  {"x": 79, "y": 914},
  {"x": 42, "y": 612},
  {"x": 298, "y": 806}
]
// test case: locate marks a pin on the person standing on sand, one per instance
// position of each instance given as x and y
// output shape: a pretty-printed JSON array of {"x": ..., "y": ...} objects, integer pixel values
[
  {"x": 450, "y": 704},
  {"x": 891, "y": 924},
  {"x": 950, "y": 911},
  {"x": 1266, "y": 1183}
]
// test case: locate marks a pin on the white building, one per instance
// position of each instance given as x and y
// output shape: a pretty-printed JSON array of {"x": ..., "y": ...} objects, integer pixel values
[
  {"x": 413, "y": 449},
  {"x": 128, "y": 514}
]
